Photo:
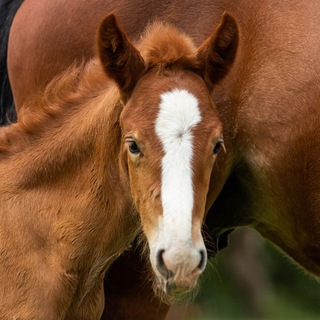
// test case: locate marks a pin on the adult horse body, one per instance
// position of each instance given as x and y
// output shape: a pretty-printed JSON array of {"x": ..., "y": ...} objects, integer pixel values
[{"x": 89, "y": 149}]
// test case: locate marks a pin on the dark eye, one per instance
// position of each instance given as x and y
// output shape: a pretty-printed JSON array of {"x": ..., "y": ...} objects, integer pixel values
[
  {"x": 133, "y": 147},
  {"x": 217, "y": 146}
]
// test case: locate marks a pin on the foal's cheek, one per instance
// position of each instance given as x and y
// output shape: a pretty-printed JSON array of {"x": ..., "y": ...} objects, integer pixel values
[
  {"x": 134, "y": 185},
  {"x": 137, "y": 186},
  {"x": 146, "y": 193},
  {"x": 149, "y": 207}
]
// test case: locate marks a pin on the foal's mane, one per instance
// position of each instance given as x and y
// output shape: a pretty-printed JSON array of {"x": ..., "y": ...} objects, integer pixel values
[
  {"x": 163, "y": 48},
  {"x": 81, "y": 84}
]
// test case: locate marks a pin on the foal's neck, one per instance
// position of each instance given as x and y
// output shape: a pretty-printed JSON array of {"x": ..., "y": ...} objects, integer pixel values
[
  {"x": 64, "y": 192},
  {"x": 69, "y": 175}
]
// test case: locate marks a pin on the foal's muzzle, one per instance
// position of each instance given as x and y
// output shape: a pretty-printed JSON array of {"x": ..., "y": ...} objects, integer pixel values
[{"x": 180, "y": 267}]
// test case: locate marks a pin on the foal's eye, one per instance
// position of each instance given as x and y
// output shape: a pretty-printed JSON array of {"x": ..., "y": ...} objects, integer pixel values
[
  {"x": 217, "y": 146},
  {"x": 133, "y": 147}
]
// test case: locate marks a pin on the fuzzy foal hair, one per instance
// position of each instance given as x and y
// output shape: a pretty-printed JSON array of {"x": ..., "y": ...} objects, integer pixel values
[{"x": 163, "y": 46}]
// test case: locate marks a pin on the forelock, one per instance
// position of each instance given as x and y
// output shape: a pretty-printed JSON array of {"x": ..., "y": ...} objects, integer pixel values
[{"x": 163, "y": 46}]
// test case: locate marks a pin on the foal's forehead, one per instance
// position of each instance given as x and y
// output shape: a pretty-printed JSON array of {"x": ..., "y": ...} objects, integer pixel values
[
  {"x": 181, "y": 100},
  {"x": 178, "y": 113}
]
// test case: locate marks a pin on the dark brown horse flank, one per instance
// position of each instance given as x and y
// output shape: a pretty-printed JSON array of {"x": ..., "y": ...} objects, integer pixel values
[
  {"x": 72, "y": 170},
  {"x": 271, "y": 105}
]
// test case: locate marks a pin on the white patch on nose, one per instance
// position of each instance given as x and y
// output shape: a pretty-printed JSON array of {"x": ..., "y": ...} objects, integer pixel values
[{"x": 178, "y": 114}]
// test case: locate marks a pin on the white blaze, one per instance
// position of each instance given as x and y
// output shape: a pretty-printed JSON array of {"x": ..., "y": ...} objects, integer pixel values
[{"x": 178, "y": 113}]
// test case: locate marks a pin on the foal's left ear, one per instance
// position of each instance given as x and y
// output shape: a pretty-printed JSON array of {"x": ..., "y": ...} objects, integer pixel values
[
  {"x": 218, "y": 52},
  {"x": 120, "y": 59}
]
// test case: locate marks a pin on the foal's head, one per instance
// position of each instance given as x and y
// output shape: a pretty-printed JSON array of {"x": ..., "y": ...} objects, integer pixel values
[{"x": 171, "y": 136}]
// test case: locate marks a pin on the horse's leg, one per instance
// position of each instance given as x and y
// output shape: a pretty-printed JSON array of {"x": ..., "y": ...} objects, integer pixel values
[{"x": 128, "y": 290}]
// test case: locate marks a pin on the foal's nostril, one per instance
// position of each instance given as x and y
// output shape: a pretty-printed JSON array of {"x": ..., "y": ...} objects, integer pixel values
[
  {"x": 160, "y": 263},
  {"x": 203, "y": 260}
]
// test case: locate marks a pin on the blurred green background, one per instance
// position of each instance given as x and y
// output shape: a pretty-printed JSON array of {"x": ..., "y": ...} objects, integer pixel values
[{"x": 251, "y": 279}]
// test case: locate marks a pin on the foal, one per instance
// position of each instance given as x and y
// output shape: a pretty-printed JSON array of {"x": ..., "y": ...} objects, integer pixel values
[{"x": 88, "y": 155}]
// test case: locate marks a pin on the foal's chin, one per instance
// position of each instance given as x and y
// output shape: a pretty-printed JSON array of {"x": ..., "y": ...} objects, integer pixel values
[{"x": 172, "y": 290}]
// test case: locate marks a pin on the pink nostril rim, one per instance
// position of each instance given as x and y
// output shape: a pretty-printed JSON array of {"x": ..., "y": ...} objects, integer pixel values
[{"x": 203, "y": 260}]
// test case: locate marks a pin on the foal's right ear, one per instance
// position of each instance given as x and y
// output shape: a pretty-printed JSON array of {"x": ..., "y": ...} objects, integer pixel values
[
  {"x": 120, "y": 59},
  {"x": 218, "y": 52}
]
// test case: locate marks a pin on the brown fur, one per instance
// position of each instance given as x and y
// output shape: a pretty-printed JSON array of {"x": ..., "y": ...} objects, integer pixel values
[
  {"x": 69, "y": 186},
  {"x": 165, "y": 47},
  {"x": 124, "y": 63},
  {"x": 268, "y": 103},
  {"x": 219, "y": 50},
  {"x": 60, "y": 199}
]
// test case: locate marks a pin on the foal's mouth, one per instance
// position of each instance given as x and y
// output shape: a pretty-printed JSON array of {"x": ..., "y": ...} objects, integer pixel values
[{"x": 177, "y": 285}]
